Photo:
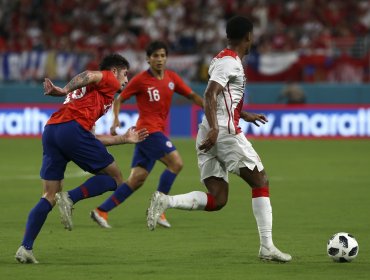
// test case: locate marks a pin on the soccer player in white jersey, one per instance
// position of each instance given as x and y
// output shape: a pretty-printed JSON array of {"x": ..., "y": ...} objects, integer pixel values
[{"x": 223, "y": 148}]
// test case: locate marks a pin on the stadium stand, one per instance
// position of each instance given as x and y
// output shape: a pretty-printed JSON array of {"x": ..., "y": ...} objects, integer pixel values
[{"x": 309, "y": 41}]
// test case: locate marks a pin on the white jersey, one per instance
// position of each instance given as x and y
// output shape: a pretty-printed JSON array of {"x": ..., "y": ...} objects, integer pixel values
[{"x": 226, "y": 69}]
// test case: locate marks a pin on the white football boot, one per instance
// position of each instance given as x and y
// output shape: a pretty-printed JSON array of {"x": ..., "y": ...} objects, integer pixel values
[
  {"x": 273, "y": 254},
  {"x": 25, "y": 256},
  {"x": 158, "y": 204},
  {"x": 65, "y": 206}
]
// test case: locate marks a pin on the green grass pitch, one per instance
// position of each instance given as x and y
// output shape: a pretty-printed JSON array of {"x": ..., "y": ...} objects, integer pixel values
[{"x": 318, "y": 188}]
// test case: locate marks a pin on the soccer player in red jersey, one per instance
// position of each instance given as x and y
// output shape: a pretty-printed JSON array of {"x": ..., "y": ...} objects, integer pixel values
[
  {"x": 153, "y": 90},
  {"x": 223, "y": 148},
  {"x": 67, "y": 137}
]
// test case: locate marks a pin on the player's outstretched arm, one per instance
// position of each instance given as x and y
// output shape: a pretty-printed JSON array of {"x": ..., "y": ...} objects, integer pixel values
[
  {"x": 131, "y": 136},
  {"x": 52, "y": 90},
  {"x": 79, "y": 81},
  {"x": 196, "y": 99},
  {"x": 253, "y": 118}
]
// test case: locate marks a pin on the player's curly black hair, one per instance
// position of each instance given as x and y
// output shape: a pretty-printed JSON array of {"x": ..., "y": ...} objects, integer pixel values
[
  {"x": 156, "y": 45},
  {"x": 237, "y": 27},
  {"x": 114, "y": 60}
]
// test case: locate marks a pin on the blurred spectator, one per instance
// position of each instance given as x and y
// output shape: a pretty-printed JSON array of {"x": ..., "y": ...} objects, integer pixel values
[
  {"x": 97, "y": 27},
  {"x": 292, "y": 93},
  {"x": 186, "y": 25}
]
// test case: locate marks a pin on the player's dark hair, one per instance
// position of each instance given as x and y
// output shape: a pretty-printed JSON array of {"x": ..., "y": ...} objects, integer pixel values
[
  {"x": 114, "y": 60},
  {"x": 237, "y": 27},
  {"x": 154, "y": 46}
]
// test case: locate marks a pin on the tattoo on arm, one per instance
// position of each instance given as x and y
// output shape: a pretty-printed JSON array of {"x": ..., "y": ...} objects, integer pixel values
[{"x": 78, "y": 81}]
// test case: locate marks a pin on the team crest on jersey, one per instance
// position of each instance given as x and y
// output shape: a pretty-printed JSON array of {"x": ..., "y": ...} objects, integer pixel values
[
  {"x": 169, "y": 144},
  {"x": 171, "y": 85}
]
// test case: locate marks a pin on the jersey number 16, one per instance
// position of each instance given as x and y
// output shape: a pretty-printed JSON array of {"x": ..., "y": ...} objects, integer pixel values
[{"x": 153, "y": 94}]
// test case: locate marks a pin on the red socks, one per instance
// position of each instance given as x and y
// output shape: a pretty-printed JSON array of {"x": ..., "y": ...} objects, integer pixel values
[
  {"x": 260, "y": 192},
  {"x": 211, "y": 203}
]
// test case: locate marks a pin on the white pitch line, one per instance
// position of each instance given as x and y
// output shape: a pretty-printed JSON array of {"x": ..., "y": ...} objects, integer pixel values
[{"x": 76, "y": 174}]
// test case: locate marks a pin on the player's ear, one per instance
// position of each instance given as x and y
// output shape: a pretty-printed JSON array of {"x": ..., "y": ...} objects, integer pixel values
[
  {"x": 249, "y": 36},
  {"x": 147, "y": 59}
]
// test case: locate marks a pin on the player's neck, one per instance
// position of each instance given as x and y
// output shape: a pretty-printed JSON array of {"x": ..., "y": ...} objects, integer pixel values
[
  {"x": 238, "y": 49},
  {"x": 157, "y": 74}
]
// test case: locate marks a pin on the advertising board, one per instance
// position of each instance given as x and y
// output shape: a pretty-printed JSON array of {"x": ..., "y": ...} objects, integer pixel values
[{"x": 328, "y": 121}]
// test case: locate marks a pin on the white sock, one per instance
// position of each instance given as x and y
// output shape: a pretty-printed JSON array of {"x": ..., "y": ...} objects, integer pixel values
[
  {"x": 188, "y": 201},
  {"x": 263, "y": 213}
]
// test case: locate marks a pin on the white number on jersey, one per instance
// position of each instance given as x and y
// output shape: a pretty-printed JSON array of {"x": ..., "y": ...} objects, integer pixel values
[
  {"x": 153, "y": 94},
  {"x": 76, "y": 94}
]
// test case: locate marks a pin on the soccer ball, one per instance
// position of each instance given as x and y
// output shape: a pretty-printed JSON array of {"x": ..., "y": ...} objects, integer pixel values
[{"x": 342, "y": 247}]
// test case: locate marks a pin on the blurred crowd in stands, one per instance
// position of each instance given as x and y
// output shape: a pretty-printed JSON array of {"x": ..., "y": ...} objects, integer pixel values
[{"x": 190, "y": 27}]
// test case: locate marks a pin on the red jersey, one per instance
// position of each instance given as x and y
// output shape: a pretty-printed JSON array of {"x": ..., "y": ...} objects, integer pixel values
[
  {"x": 86, "y": 105},
  {"x": 153, "y": 97}
]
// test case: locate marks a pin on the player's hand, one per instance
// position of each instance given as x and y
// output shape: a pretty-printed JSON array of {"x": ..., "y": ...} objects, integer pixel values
[
  {"x": 253, "y": 118},
  {"x": 210, "y": 141},
  {"x": 52, "y": 90},
  {"x": 114, "y": 127},
  {"x": 134, "y": 136}
]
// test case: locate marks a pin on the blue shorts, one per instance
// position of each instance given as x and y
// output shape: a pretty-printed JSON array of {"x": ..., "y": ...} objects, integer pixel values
[
  {"x": 69, "y": 141},
  {"x": 153, "y": 148}
]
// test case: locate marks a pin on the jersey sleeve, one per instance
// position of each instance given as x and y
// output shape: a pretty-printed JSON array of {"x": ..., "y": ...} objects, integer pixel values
[
  {"x": 131, "y": 88},
  {"x": 180, "y": 86},
  {"x": 223, "y": 70}
]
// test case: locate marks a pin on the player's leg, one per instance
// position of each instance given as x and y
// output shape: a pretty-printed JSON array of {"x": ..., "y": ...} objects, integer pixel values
[
  {"x": 124, "y": 191},
  {"x": 214, "y": 176},
  {"x": 92, "y": 187},
  {"x": 260, "y": 202},
  {"x": 36, "y": 220},
  {"x": 240, "y": 158},
  {"x": 52, "y": 172},
  {"x": 263, "y": 213},
  {"x": 155, "y": 147},
  {"x": 106, "y": 180},
  {"x": 100, "y": 214},
  {"x": 212, "y": 173},
  {"x": 141, "y": 167},
  {"x": 214, "y": 200},
  {"x": 81, "y": 147},
  {"x": 174, "y": 164},
  {"x": 92, "y": 156}
]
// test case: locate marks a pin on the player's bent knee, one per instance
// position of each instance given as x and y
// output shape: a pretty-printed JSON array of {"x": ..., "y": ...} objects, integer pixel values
[
  {"x": 179, "y": 167},
  {"x": 118, "y": 179},
  {"x": 219, "y": 207},
  {"x": 50, "y": 196},
  {"x": 259, "y": 182},
  {"x": 176, "y": 167},
  {"x": 220, "y": 204},
  {"x": 136, "y": 182}
]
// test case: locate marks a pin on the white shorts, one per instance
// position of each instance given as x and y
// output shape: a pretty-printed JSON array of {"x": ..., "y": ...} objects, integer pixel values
[{"x": 230, "y": 153}]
